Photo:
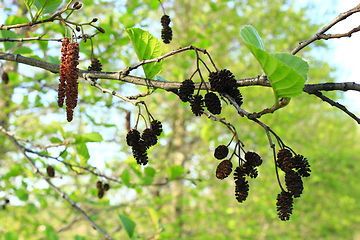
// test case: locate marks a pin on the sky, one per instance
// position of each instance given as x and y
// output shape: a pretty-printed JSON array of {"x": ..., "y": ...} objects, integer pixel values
[{"x": 347, "y": 51}]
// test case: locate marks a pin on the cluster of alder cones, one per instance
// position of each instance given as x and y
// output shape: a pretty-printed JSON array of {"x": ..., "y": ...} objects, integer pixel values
[
  {"x": 166, "y": 31},
  {"x": 140, "y": 143},
  {"x": 222, "y": 82}
]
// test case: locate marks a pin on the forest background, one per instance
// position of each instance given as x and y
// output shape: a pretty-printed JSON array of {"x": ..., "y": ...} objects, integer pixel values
[{"x": 176, "y": 196}]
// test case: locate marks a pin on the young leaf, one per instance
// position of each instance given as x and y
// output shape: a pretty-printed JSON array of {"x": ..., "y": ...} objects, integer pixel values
[
  {"x": 125, "y": 178},
  {"x": 154, "y": 217},
  {"x": 146, "y": 47},
  {"x": 128, "y": 224},
  {"x": 287, "y": 74}
]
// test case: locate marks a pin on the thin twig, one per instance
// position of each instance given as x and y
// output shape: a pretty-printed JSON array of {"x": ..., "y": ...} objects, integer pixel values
[
  {"x": 320, "y": 34},
  {"x": 56, "y": 189},
  {"x": 336, "y": 104}
]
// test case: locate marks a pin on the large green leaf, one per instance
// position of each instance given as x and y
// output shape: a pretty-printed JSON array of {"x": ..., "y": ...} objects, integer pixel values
[
  {"x": 47, "y": 6},
  {"x": 128, "y": 224},
  {"x": 286, "y": 73},
  {"x": 146, "y": 47}
]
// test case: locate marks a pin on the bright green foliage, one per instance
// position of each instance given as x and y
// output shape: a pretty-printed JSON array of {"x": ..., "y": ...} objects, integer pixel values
[
  {"x": 146, "y": 47},
  {"x": 176, "y": 196},
  {"x": 287, "y": 73},
  {"x": 128, "y": 224}
]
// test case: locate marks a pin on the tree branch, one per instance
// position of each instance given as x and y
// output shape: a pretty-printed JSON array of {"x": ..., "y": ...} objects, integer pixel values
[
  {"x": 320, "y": 34},
  {"x": 24, "y": 151}
]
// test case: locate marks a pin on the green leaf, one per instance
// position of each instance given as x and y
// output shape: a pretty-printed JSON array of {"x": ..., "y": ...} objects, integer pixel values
[
  {"x": 125, "y": 178},
  {"x": 47, "y": 6},
  {"x": 154, "y": 217},
  {"x": 55, "y": 140},
  {"x": 29, "y": 3},
  {"x": 174, "y": 172},
  {"x": 22, "y": 194},
  {"x": 8, "y": 34},
  {"x": 146, "y": 47},
  {"x": 128, "y": 224},
  {"x": 51, "y": 233},
  {"x": 146, "y": 180},
  {"x": 12, "y": 235},
  {"x": 251, "y": 36},
  {"x": 88, "y": 137},
  {"x": 149, "y": 171},
  {"x": 287, "y": 74},
  {"x": 77, "y": 237},
  {"x": 83, "y": 153}
]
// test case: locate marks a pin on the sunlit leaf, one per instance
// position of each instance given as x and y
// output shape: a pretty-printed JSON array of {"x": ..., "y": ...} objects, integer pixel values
[
  {"x": 125, "y": 178},
  {"x": 287, "y": 74},
  {"x": 47, "y": 6},
  {"x": 175, "y": 171},
  {"x": 154, "y": 217},
  {"x": 22, "y": 194},
  {"x": 128, "y": 224},
  {"x": 146, "y": 47}
]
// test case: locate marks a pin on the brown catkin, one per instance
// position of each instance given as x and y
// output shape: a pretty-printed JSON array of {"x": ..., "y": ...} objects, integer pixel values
[{"x": 68, "y": 84}]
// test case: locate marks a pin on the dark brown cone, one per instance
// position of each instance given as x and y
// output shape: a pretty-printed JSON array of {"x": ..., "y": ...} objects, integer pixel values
[
  {"x": 186, "y": 90},
  {"x": 166, "y": 34},
  {"x": 224, "y": 169},
  {"x": 212, "y": 103},
  {"x": 156, "y": 126},
  {"x": 284, "y": 205},
  {"x": 284, "y": 160},
  {"x": 241, "y": 185},
  {"x": 221, "y": 152},
  {"x": 197, "y": 105},
  {"x": 50, "y": 171},
  {"x": 294, "y": 184}
]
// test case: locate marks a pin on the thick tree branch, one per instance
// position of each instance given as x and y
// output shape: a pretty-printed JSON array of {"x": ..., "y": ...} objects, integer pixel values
[{"x": 169, "y": 85}]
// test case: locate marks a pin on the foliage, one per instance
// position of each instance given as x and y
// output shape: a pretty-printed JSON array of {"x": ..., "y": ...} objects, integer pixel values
[{"x": 175, "y": 196}]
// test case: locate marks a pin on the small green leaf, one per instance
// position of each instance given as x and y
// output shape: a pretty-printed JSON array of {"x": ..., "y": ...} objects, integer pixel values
[
  {"x": 146, "y": 180},
  {"x": 51, "y": 233},
  {"x": 29, "y": 3},
  {"x": 83, "y": 153},
  {"x": 287, "y": 74},
  {"x": 22, "y": 194},
  {"x": 128, "y": 224},
  {"x": 77, "y": 237},
  {"x": 55, "y": 140},
  {"x": 149, "y": 171},
  {"x": 154, "y": 217},
  {"x": 88, "y": 137},
  {"x": 146, "y": 47},
  {"x": 125, "y": 178},
  {"x": 174, "y": 172}
]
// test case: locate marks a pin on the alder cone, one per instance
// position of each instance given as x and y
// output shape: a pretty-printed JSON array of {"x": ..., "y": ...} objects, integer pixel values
[
  {"x": 284, "y": 205},
  {"x": 165, "y": 20},
  {"x": 221, "y": 152},
  {"x": 212, "y": 103},
  {"x": 156, "y": 126},
  {"x": 197, "y": 105},
  {"x": 50, "y": 171},
  {"x": 241, "y": 185},
  {"x": 186, "y": 90},
  {"x": 166, "y": 34},
  {"x": 133, "y": 137},
  {"x": 224, "y": 169}
]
